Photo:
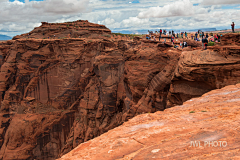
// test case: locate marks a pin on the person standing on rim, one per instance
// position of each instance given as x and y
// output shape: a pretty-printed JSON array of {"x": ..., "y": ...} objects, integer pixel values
[
  {"x": 203, "y": 41},
  {"x": 233, "y": 26},
  {"x": 160, "y": 34}
]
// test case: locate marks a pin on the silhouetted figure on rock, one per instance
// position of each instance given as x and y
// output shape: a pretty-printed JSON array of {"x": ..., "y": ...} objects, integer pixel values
[
  {"x": 205, "y": 43},
  {"x": 233, "y": 25},
  {"x": 196, "y": 35}
]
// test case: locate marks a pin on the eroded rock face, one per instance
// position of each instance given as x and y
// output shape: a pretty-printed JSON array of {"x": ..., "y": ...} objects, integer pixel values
[
  {"x": 58, "y": 93},
  {"x": 76, "y": 29},
  {"x": 201, "y": 128},
  {"x": 199, "y": 71}
]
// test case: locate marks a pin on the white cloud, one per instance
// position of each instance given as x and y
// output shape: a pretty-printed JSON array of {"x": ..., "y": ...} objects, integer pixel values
[
  {"x": 217, "y": 2},
  {"x": 18, "y": 17},
  {"x": 107, "y": 21},
  {"x": 61, "y": 6},
  {"x": 23, "y": 17},
  {"x": 135, "y": 22},
  {"x": 178, "y": 8}
]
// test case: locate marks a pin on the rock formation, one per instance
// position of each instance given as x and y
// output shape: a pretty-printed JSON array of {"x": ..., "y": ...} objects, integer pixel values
[
  {"x": 76, "y": 29},
  {"x": 64, "y": 84},
  {"x": 201, "y": 128}
]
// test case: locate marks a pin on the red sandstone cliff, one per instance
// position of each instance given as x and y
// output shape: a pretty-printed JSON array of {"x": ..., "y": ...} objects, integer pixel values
[
  {"x": 202, "y": 128},
  {"x": 76, "y": 29},
  {"x": 57, "y": 93}
]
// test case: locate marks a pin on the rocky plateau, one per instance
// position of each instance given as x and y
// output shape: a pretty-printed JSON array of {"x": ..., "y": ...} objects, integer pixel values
[{"x": 62, "y": 85}]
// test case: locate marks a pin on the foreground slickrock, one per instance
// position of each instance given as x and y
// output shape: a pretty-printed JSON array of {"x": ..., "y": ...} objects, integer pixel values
[
  {"x": 201, "y": 128},
  {"x": 64, "y": 84}
]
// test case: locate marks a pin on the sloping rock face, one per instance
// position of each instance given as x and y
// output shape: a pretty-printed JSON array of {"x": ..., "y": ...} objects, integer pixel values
[
  {"x": 200, "y": 71},
  {"x": 231, "y": 39},
  {"x": 201, "y": 128},
  {"x": 57, "y": 93}
]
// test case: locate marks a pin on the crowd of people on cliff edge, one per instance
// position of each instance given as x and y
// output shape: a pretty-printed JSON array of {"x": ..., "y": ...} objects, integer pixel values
[{"x": 205, "y": 38}]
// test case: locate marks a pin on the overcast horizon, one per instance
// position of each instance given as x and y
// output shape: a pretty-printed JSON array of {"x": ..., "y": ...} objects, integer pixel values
[{"x": 21, "y": 16}]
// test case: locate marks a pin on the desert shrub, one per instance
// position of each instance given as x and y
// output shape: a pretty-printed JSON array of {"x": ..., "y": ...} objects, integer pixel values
[
  {"x": 107, "y": 35},
  {"x": 192, "y": 112},
  {"x": 211, "y": 43}
]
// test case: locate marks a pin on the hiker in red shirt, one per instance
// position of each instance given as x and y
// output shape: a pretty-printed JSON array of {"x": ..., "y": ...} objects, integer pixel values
[
  {"x": 172, "y": 40},
  {"x": 233, "y": 26},
  {"x": 160, "y": 34}
]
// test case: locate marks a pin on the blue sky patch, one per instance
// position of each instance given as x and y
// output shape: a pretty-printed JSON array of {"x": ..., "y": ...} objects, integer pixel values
[
  {"x": 229, "y": 7},
  {"x": 135, "y": 1},
  {"x": 24, "y": 0}
]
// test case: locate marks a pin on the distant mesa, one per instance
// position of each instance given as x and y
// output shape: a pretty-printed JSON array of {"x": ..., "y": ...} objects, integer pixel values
[
  {"x": 4, "y": 37},
  {"x": 145, "y": 31}
]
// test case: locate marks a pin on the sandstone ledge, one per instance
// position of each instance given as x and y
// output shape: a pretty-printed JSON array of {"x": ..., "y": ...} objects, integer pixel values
[{"x": 169, "y": 134}]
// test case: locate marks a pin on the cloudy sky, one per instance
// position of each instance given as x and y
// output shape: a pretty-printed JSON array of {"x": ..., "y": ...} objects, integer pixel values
[{"x": 21, "y": 16}]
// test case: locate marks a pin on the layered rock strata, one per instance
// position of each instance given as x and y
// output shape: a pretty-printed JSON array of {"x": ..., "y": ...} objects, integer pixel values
[{"x": 57, "y": 93}]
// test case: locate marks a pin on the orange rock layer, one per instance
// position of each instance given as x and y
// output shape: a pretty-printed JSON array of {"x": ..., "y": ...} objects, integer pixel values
[
  {"x": 57, "y": 92},
  {"x": 202, "y": 128}
]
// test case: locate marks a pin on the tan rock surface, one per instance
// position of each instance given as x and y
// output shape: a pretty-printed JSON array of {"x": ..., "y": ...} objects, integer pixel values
[{"x": 210, "y": 122}]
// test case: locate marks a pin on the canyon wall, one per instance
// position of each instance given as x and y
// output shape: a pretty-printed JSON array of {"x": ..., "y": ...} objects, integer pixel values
[
  {"x": 57, "y": 93},
  {"x": 202, "y": 128}
]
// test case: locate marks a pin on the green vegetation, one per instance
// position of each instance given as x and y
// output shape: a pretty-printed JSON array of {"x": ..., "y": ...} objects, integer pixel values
[
  {"x": 128, "y": 35},
  {"x": 192, "y": 112},
  {"x": 211, "y": 43},
  {"x": 203, "y": 111},
  {"x": 89, "y": 41},
  {"x": 107, "y": 35}
]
